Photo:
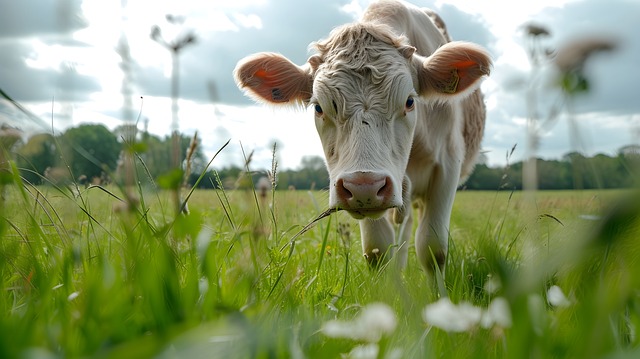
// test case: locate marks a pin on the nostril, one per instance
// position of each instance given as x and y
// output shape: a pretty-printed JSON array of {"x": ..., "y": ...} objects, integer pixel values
[
  {"x": 342, "y": 191},
  {"x": 386, "y": 189},
  {"x": 383, "y": 189}
]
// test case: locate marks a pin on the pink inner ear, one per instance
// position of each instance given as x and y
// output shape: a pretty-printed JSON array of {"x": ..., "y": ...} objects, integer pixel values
[
  {"x": 456, "y": 67},
  {"x": 464, "y": 64},
  {"x": 462, "y": 69},
  {"x": 267, "y": 78},
  {"x": 272, "y": 78},
  {"x": 262, "y": 73}
]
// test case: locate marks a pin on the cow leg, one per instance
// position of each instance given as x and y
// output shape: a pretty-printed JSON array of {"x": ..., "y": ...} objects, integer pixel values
[
  {"x": 377, "y": 240},
  {"x": 403, "y": 218},
  {"x": 403, "y": 236},
  {"x": 432, "y": 234}
]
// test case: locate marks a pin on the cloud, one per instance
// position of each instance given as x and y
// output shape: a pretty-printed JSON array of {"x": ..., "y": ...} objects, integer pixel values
[
  {"x": 27, "y": 18},
  {"x": 28, "y": 84},
  {"x": 248, "y": 20},
  {"x": 463, "y": 26},
  {"x": 50, "y": 22}
]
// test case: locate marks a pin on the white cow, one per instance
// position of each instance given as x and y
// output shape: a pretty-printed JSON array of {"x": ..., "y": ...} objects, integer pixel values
[{"x": 400, "y": 118}]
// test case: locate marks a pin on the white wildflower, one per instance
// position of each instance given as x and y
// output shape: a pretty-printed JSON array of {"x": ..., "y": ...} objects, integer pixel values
[
  {"x": 73, "y": 296},
  {"x": 374, "y": 321},
  {"x": 202, "y": 241},
  {"x": 451, "y": 317},
  {"x": 492, "y": 285},
  {"x": 203, "y": 286},
  {"x": 370, "y": 351},
  {"x": 556, "y": 297},
  {"x": 498, "y": 314}
]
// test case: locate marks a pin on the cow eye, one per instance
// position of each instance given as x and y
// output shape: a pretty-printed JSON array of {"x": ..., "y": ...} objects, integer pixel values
[
  {"x": 409, "y": 104},
  {"x": 318, "y": 109}
]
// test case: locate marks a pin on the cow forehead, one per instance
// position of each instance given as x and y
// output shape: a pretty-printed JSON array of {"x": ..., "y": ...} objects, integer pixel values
[
  {"x": 357, "y": 39},
  {"x": 362, "y": 63},
  {"x": 359, "y": 48},
  {"x": 349, "y": 91}
]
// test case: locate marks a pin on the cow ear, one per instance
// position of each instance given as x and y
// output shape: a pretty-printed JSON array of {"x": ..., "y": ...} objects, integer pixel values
[
  {"x": 453, "y": 70},
  {"x": 272, "y": 78}
]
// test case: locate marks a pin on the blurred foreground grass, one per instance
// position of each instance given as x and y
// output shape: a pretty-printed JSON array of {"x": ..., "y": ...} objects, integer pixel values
[{"x": 88, "y": 274}]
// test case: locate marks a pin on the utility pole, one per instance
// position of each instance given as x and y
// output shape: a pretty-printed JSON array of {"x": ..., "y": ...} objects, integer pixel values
[{"x": 175, "y": 46}]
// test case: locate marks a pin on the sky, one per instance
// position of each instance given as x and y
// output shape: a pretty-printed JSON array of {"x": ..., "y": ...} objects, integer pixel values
[{"x": 63, "y": 60}]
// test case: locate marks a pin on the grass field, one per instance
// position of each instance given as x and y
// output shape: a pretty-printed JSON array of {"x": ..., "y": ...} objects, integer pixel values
[{"x": 94, "y": 274}]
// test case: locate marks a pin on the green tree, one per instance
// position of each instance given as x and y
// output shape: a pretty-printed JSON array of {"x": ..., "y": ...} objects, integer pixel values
[
  {"x": 484, "y": 177},
  {"x": 90, "y": 150},
  {"x": 35, "y": 156},
  {"x": 157, "y": 155},
  {"x": 311, "y": 174},
  {"x": 553, "y": 174},
  {"x": 629, "y": 158}
]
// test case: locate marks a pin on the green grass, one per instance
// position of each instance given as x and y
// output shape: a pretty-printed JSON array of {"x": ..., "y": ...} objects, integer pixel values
[{"x": 90, "y": 275}]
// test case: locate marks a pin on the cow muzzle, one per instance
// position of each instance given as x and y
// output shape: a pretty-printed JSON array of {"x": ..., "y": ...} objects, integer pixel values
[{"x": 365, "y": 194}]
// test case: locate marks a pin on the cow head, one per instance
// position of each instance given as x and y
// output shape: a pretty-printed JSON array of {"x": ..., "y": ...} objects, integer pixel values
[{"x": 364, "y": 84}]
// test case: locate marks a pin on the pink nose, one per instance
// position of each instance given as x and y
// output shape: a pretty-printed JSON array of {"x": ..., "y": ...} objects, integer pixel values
[{"x": 364, "y": 190}]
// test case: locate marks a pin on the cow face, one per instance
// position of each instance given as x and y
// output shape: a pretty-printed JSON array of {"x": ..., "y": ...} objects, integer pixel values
[
  {"x": 364, "y": 85},
  {"x": 364, "y": 103}
]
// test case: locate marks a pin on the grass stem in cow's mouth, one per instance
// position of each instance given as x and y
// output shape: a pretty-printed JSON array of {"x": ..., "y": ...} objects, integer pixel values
[{"x": 368, "y": 213}]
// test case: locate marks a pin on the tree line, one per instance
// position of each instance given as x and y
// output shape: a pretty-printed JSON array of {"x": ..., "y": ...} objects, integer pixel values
[
  {"x": 572, "y": 171},
  {"x": 93, "y": 153}
]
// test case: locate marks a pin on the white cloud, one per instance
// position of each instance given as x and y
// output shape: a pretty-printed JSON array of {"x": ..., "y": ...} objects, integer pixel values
[
  {"x": 354, "y": 8},
  {"x": 248, "y": 21}
]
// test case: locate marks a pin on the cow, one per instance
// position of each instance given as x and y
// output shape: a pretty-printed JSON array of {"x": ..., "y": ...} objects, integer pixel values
[{"x": 400, "y": 116}]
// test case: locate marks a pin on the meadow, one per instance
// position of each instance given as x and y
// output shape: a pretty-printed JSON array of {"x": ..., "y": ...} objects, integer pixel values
[{"x": 114, "y": 272}]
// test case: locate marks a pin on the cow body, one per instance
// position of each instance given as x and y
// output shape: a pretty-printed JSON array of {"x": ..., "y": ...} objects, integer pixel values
[{"x": 400, "y": 118}]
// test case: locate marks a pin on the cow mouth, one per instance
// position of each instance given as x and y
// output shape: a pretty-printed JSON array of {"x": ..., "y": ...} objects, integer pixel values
[{"x": 372, "y": 213}]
